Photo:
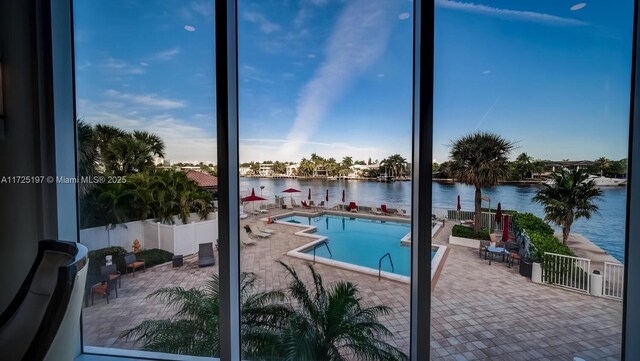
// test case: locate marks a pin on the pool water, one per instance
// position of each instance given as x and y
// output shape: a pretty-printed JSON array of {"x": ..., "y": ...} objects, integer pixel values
[{"x": 361, "y": 241}]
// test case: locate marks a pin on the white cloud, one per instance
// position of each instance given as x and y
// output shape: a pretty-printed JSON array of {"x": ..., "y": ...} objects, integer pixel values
[
  {"x": 144, "y": 64},
  {"x": 359, "y": 37},
  {"x": 146, "y": 99},
  {"x": 190, "y": 28},
  {"x": 380, "y": 75},
  {"x": 404, "y": 16},
  {"x": 120, "y": 66},
  {"x": 578, "y": 6},
  {"x": 263, "y": 23},
  {"x": 167, "y": 54},
  {"x": 486, "y": 72},
  {"x": 508, "y": 13}
]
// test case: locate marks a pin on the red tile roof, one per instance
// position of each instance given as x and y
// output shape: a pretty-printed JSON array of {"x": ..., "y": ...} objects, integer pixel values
[{"x": 204, "y": 180}]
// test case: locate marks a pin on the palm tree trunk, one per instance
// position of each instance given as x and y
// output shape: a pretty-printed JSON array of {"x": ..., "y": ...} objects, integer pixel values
[
  {"x": 477, "y": 222},
  {"x": 565, "y": 234}
]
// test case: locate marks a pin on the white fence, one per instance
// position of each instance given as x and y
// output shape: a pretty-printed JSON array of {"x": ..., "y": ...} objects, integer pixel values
[
  {"x": 488, "y": 219},
  {"x": 613, "y": 280},
  {"x": 566, "y": 271},
  {"x": 177, "y": 238}
]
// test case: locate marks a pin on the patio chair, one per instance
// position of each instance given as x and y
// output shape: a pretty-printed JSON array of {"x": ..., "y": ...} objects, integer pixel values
[
  {"x": 312, "y": 204},
  {"x": 205, "y": 255},
  {"x": 134, "y": 263},
  {"x": 104, "y": 289},
  {"x": 375, "y": 210},
  {"x": 321, "y": 205},
  {"x": 244, "y": 238},
  {"x": 256, "y": 232},
  {"x": 483, "y": 248},
  {"x": 262, "y": 227},
  {"x": 110, "y": 273},
  {"x": 353, "y": 207},
  {"x": 403, "y": 212}
]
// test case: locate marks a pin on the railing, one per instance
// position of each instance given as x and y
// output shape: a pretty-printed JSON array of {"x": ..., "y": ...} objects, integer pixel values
[
  {"x": 613, "y": 280},
  {"x": 566, "y": 271},
  {"x": 380, "y": 264},
  {"x": 488, "y": 219},
  {"x": 326, "y": 243}
]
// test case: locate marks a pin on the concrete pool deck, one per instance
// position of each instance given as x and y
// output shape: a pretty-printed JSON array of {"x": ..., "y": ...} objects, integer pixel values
[{"x": 478, "y": 311}]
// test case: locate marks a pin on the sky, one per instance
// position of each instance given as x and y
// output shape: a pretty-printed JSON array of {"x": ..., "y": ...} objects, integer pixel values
[{"x": 335, "y": 77}]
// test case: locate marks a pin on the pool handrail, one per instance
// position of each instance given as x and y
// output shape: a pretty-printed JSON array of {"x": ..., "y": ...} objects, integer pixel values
[
  {"x": 326, "y": 243},
  {"x": 380, "y": 264}
]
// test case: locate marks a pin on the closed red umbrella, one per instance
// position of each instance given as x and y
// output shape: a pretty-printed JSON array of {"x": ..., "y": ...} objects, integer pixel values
[
  {"x": 499, "y": 213},
  {"x": 344, "y": 196},
  {"x": 326, "y": 198},
  {"x": 309, "y": 196},
  {"x": 458, "y": 206},
  {"x": 505, "y": 228}
]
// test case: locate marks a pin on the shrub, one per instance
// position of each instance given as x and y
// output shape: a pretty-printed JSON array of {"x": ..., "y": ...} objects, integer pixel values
[
  {"x": 466, "y": 232},
  {"x": 544, "y": 243},
  {"x": 504, "y": 211},
  {"x": 529, "y": 223},
  {"x": 154, "y": 257}
]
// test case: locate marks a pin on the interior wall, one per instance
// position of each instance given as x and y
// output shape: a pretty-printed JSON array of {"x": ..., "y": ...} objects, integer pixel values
[{"x": 21, "y": 223}]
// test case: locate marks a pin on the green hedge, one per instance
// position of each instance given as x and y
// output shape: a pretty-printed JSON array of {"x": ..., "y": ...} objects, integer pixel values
[
  {"x": 530, "y": 223},
  {"x": 504, "y": 211},
  {"x": 466, "y": 232},
  {"x": 152, "y": 257}
]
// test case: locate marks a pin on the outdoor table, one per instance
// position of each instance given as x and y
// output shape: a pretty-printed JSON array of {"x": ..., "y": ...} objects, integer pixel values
[{"x": 497, "y": 250}]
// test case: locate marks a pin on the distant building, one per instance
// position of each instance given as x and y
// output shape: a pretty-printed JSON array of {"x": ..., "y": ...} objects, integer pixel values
[
  {"x": 569, "y": 164},
  {"x": 360, "y": 170},
  {"x": 292, "y": 169},
  {"x": 204, "y": 180},
  {"x": 265, "y": 169},
  {"x": 244, "y": 171}
]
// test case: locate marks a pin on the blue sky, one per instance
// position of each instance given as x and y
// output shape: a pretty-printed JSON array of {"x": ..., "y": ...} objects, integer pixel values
[{"x": 334, "y": 77}]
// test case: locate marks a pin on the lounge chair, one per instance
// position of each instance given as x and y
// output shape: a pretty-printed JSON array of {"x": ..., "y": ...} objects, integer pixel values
[
  {"x": 384, "y": 209},
  {"x": 256, "y": 232},
  {"x": 311, "y": 204},
  {"x": 353, "y": 207},
  {"x": 321, "y": 205},
  {"x": 262, "y": 228},
  {"x": 244, "y": 238},
  {"x": 205, "y": 255},
  {"x": 305, "y": 205},
  {"x": 375, "y": 210},
  {"x": 403, "y": 212},
  {"x": 293, "y": 203},
  {"x": 243, "y": 215},
  {"x": 132, "y": 262}
]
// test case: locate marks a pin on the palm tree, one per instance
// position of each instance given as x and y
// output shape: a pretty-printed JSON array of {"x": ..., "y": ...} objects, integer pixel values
[
  {"x": 88, "y": 156},
  {"x": 602, "y": 164},
  {"x": 569, "y": 196},
  {"x": 332, "y": 323},
  {"x": 194, "y": 329},
  {"x": 480, "y": 159}
]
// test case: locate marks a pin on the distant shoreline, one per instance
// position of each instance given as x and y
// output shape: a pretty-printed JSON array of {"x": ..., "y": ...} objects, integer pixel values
[{"x": 437, "y": 180}]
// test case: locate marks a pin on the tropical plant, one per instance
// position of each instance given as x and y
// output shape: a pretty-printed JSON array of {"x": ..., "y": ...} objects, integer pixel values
[
  {"x": 602, "y": 164},
  {"x": 569, "y": 196},
  {"x": 480, "y": 159},
  {"x": 194, "y": 329},
  {"x": 88, "y": 156},
  {"x": 330, "y": 324}
]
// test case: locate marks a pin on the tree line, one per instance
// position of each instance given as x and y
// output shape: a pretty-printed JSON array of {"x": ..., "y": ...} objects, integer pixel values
[{"x": 146, "y": 191}]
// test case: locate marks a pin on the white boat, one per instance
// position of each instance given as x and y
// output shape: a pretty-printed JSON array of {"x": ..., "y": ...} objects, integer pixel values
[{"x": 601, "y": 181}]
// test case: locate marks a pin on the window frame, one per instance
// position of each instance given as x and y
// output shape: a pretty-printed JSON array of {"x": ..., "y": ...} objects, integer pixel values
[{"x": 56, "y": 71}]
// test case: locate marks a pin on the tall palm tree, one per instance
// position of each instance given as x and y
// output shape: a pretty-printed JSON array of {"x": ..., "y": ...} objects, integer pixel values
[
  {"x": 194, "y": 329},
  {"x": 602, "y": 164},
  {"x": 88, "y": 156},
  {"x": 569, "y": 196},
  {"x": 329, "y": 324},
  {"x": 480, "y": 159}
]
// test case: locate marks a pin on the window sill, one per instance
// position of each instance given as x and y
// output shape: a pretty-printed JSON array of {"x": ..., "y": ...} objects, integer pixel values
[{"x": 112, "y": 354}]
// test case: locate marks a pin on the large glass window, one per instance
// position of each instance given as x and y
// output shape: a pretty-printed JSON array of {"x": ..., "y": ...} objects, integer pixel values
[
  {"x": 325, "y": 116},
  {"x": 530, "y": 145},
  {"x": 145, "y": 85}
]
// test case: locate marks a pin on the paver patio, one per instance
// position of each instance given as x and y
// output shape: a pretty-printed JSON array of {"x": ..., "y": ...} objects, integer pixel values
[{"x": 478, "y": 311}]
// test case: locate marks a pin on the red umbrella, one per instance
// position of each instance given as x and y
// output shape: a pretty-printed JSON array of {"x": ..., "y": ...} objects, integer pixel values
[
  {"x": 253, "y": 197},
  {"x": 505, "y": 228},
  {"x": 344, "y": 197},
  {"x": 499, "y": 213},
  {"x": 291, "y": 191},
  {"x": 458, "y": 207},
  {"x": 309, "y": 196},
  {"x": 327, "y": 198}
]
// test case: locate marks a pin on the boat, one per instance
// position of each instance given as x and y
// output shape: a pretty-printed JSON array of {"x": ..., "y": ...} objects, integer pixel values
[
  {"x": 601, "y": 181},
  {"x": 385, "y": 178}
]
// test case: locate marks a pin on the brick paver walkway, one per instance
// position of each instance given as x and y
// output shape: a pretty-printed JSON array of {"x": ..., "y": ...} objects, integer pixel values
[{"x": 478, "y": 311}]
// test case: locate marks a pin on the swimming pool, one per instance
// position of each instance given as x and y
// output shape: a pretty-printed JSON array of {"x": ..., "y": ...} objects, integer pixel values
[{"x": 357, "y": 242}]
